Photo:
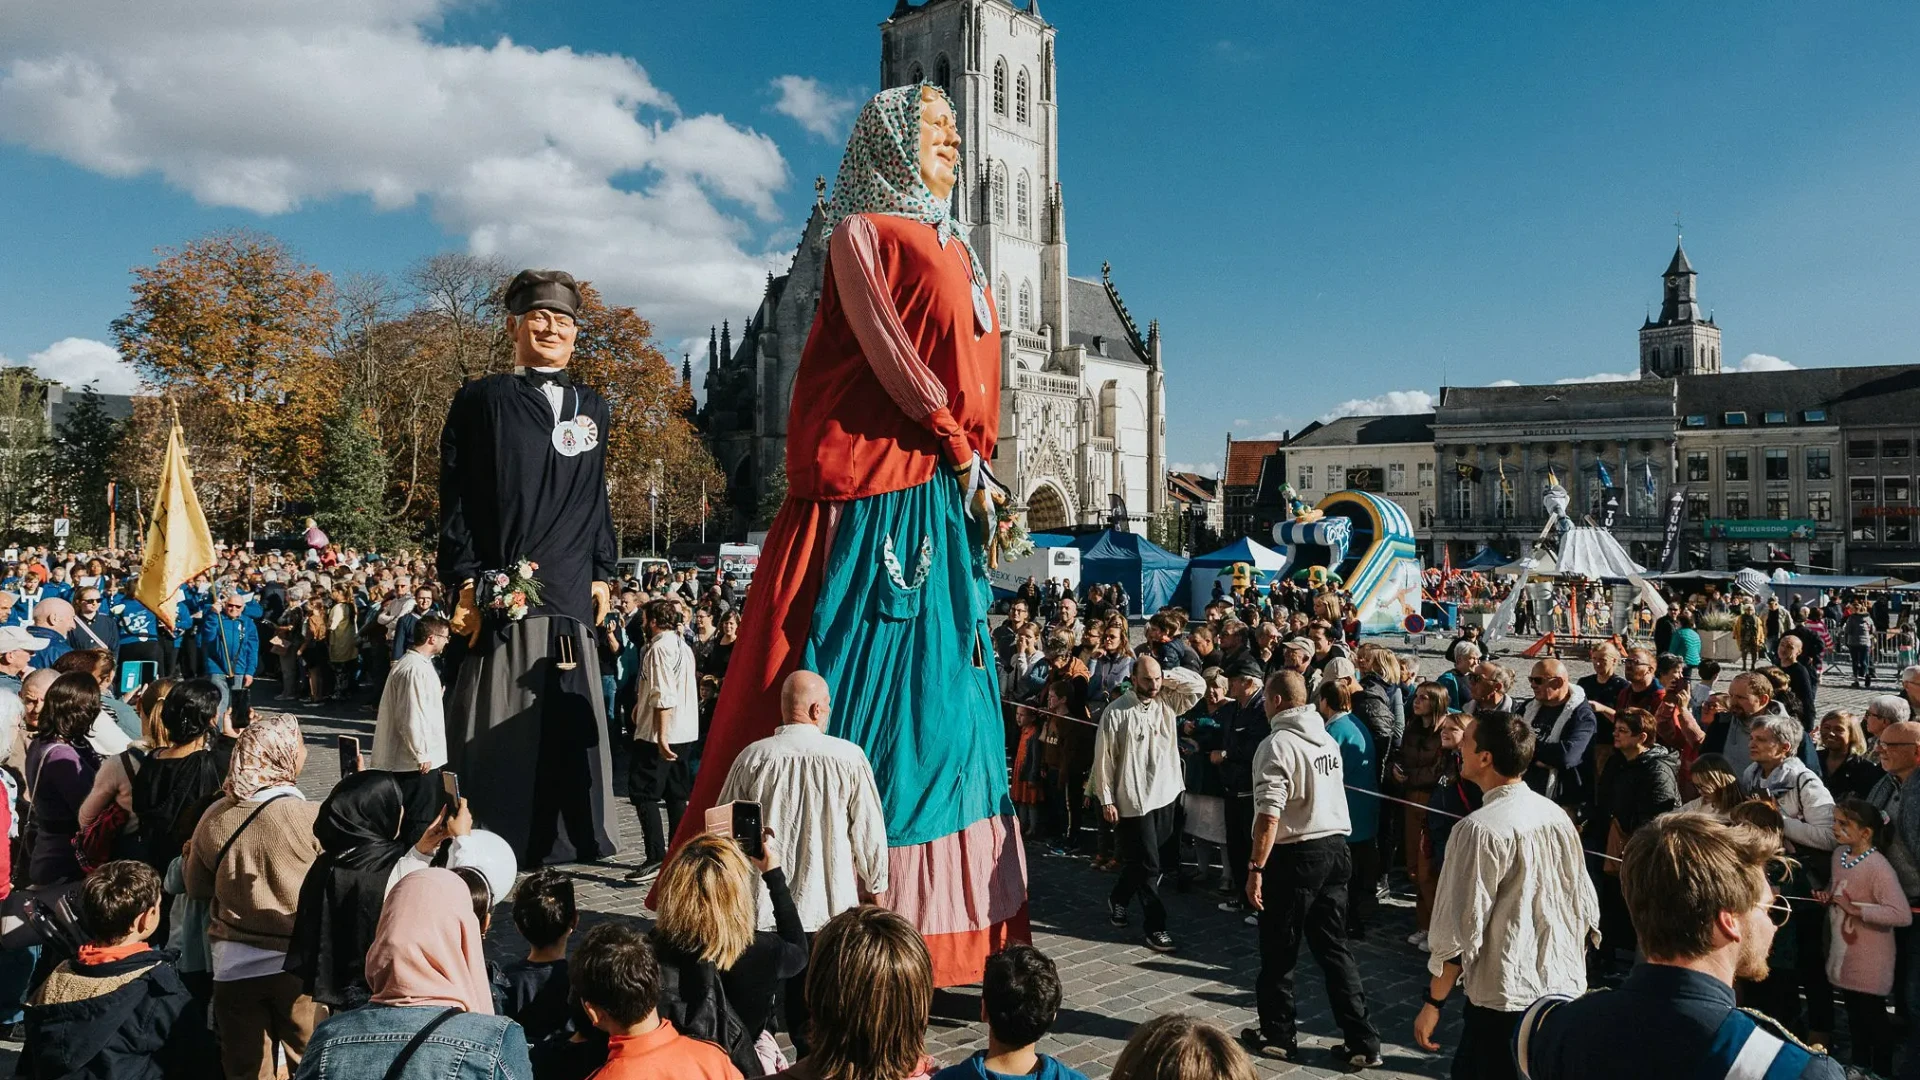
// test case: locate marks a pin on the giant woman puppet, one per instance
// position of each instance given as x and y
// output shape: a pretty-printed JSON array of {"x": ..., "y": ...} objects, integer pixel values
[{"x": 873, "y": 573}]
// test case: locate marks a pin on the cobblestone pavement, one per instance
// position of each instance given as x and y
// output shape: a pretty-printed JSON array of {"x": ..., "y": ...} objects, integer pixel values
[{"x": 1112, "y": 980}]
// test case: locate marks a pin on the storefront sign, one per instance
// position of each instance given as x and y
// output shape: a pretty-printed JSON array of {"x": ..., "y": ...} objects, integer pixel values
[{"x": 1760, "y": 528}]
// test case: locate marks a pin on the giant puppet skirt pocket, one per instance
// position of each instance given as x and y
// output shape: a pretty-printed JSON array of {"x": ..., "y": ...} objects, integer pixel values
[{"x": 900, "y": 635}]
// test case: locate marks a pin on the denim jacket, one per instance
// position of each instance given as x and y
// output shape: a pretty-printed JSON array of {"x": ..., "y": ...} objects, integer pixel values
[{"x": 361, "y": 1045}]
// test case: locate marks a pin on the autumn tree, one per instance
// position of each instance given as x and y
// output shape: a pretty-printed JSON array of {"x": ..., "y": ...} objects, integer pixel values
[
  {"x": 87, "y": 446},
  {"x": 24, "y": 460},
  {"x": 235, "y": 323},
  {"x": 651, "y": 442}
]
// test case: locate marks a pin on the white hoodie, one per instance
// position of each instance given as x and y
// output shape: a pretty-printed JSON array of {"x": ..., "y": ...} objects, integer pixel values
[{"x": 1298, "y": 778}]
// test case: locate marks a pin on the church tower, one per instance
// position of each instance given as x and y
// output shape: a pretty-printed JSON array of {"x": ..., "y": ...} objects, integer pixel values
[
  {"x": 1681, "y": 341},
  {"x": 994, "y": 58}
]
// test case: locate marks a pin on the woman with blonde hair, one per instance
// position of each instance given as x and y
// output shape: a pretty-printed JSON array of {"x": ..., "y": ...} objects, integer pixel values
[
  {"x": 1719, "y": 786},
  {"x": 718, "y": 971},
  {"x": 153, "y": 697},
  {"x": 1176, "y": 1047},
  {"x": 870, "y": 989}
]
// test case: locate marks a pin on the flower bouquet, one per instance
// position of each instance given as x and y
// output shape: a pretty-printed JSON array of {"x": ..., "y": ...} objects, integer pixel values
[
  {"x": 1010, "y": 539},
  {"x": 512, "y": 591}
]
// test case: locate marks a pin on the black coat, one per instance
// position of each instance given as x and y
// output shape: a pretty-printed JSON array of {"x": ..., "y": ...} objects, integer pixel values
[
  {"x": 133, "y": 1031},
  {"x": 1242, "y": 729},
  {"x": 1635, "y": 792}
]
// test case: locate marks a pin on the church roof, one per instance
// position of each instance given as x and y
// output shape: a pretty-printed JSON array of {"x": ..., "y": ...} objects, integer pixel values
[
  {"x": 1245, "y": 459},
  {"x": 1098, "y": 320},
  {"x": 1679, "y": 265},
  {"x": 1850, "y": 396},
  {"x": 1367, "y": 431}
]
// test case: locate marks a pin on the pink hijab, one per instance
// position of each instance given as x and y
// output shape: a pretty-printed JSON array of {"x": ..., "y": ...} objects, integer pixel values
[{"x": 427, "y": 948}]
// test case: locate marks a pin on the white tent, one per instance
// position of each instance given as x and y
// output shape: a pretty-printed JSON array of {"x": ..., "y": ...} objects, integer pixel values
[{"x": 1593, "y": 554}]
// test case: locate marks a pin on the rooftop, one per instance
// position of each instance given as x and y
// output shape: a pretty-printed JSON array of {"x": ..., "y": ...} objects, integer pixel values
[
  {"x": 1367, "y": 431},
  {"x": 1245, "y": 459}
]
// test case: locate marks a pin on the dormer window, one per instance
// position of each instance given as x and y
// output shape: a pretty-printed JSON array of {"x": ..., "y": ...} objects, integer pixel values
[{"x": 1736, "y": 419}]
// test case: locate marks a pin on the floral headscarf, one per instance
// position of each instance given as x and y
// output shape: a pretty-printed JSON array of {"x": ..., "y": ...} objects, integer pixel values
[
  {"x": 880, "y": 173},
  {"x": 267, "y": 755}
]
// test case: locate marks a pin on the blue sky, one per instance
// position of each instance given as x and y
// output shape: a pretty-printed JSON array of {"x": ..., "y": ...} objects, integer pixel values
[{"x": 1323, "y": 204}]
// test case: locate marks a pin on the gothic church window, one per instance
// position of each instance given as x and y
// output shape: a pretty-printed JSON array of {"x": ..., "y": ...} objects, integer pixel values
[
  {"x": 1020, "y": 96},
  {"x": 1026, "y": 305},
  {"x": 1022, "y": 215},
  {"x": 1000, "y": 296},
  {"x": 943, "y": 73},
  {"x": 1000, "y": 87},
  {"x": 999, "y": 194}
]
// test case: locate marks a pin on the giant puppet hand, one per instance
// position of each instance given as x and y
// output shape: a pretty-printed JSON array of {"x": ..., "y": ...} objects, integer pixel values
[
  {"x": 602, "y": 602},
  {"x": 466, "y": 615},
  {"x": 982, "y": 495}
]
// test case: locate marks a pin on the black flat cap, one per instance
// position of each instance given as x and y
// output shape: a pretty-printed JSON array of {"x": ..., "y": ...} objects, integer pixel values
[
  {"x": 552, "y": 290},
  {"x": 1245, "y": 666}
]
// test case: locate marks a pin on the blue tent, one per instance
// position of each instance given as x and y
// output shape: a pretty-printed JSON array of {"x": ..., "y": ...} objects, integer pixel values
[
  {"x": 1485, "y": 559},
  {"x": 1149, "y": 572},
  {"x": 1264, "y": 561}
]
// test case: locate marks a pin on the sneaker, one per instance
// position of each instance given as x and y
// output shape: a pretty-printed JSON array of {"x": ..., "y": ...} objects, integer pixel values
[
  {"x": 1356, "y": 1059},
  {"x": 1160, "y": 941},
  {"x": 1417, "y": 939},
  {"x": 644, "y": 871},
  {"x": 1231, "y": 905},
  {"x": 1252, "y": 920},
  {"x": 1259, "y": 1045},
  {"x": 1116, "y": 913}
]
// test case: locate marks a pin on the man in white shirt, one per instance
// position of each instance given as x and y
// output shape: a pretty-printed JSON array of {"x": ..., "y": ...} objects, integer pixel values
[
  {"x": 666, "y": 725},
  {"x": 1299, "y": 877},
  {"x": 817, "y": 794},
  {"x": 1514, "y": 911},
  {"x": 410, "y": 731},
  {"x": 1137, "y": 779}
]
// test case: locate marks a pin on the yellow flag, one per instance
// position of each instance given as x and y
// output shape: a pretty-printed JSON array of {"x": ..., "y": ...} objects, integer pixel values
[{"x": 179, "y": 547}]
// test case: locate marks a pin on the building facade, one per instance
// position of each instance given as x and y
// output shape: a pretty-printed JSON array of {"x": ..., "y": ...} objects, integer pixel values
[
  {"x": 1082, "y": 420},
  {"x": 1250, "y": 479},
  {"x": 1386, "y": 455}
]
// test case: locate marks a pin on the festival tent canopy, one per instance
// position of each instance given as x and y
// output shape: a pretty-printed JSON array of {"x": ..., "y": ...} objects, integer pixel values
[
  {"x": 1196, "y": 586},
  {"x": 1594, "y": 554},
  {"x": 1149, "y": 572},
  {"x": 1050, "y": 540},
  {"x": 1484, "y": 559},
  {"x": 1837, "y": 581}
]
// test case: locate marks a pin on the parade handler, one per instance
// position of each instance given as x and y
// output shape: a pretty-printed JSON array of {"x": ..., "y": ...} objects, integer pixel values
[
  {"x": 873, "y": 574},
  {"x": 527, "y": 536}
]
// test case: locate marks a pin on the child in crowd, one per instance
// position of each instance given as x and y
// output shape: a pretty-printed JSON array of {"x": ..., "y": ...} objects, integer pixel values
[
  {"x": 1019, "y": 998},
  {"x": 1175, "y": 1047},
  {"x": 1867, "y": 903},
  {"x": 536, "y": 988},
  {"x": 618, "y": 981},
  {"x": 1701, "y": 692},
  {"x": 115, "y": 1009}
]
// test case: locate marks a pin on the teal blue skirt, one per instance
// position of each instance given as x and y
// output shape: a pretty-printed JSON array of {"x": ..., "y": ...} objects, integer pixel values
[{"x": 900, "y": 636}]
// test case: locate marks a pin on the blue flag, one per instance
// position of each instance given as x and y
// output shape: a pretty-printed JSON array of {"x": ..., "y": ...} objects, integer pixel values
[
  {"x": 1649, "y": 478},
  {"x": 1606, "y": 478}
]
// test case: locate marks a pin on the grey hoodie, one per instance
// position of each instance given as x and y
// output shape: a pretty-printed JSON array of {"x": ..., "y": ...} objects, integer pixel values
[{"x": 1298, "y": 778}]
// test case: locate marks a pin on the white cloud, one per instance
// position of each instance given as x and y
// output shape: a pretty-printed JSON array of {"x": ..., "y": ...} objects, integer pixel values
[
  {"x": 1241, "y": 422},
  {"x": 813, "y": 106},
  {"x": 1754, "y": 361},
  {"x": 545, "y": 157},
  {"x": 1209, "y": 469},
  {"x": 1599, "y": 376},
  {"x": 78, "y": 361},
  {"x": 1504, "y": 382},
  {"x": 1391, "y": 403}
]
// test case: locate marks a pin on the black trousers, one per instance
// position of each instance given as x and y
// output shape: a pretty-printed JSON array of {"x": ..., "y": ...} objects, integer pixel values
[
  {"x": 1239, "y": 840},
  {"x": 1872, "y": 1034},
  {"x": 1363, "y": 899},
  {"x": 798, "y": 1016},
  {"x": 653, "y": 783},
  {"x": 1142, "y": 841},
  {"x": 1303, "y": 895},
  {"x": 1486, "y": 1045}
]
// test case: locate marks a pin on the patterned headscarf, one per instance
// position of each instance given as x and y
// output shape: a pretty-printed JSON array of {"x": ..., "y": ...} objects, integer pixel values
[
  {"x": 881, "y": 171},
  {"x": 267, "y": 755}
]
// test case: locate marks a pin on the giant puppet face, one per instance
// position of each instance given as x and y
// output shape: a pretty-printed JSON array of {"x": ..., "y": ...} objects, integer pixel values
[
  {"x": 939, "y": 143},
  {"x": 542, "y": 338}
]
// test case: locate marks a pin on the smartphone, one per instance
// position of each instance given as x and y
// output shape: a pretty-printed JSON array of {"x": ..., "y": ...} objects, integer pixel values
[
  {"x": 746, "y": 828},
  {"x": 349, "y": 755},
  {"x": 450, "y": 783}
]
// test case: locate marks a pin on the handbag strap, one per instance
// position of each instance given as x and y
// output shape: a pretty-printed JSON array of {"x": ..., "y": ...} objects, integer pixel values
[
  {"x": 399, "y": 1066},
  {"x": 228, "y": 846}
]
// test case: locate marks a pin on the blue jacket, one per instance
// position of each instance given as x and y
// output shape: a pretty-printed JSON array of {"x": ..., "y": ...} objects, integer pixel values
[
  {"x": 225, "y": 640},
  {"x": 362, "y": 1044},
  {"x": 138, "y": 624},
  {"x": 104, "y": 626},
  {"x": 1357, "y": 758},
  {"x": 975, "y": 1068},
  {"x": 57, "y": 647}
]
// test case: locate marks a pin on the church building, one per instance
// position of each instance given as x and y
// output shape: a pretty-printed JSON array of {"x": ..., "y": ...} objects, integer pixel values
[{"x": 1083, "y": 412}]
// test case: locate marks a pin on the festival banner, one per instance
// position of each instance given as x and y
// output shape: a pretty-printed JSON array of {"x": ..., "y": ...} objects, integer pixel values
[{"x": 1670, "y": 543}]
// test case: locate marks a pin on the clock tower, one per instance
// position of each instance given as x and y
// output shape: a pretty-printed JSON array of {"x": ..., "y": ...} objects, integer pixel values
[{"x": 1681, "y": 341}]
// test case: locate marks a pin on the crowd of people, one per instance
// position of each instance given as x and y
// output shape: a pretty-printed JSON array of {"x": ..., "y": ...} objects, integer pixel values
[{"x": 184, "y": 909}]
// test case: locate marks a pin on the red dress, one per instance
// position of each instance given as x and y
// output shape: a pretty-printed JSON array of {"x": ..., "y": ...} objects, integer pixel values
[{"x": 867, "y": 420}]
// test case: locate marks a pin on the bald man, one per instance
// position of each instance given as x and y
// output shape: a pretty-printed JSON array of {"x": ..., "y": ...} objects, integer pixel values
[
  {"x": 52, "y": 622},
  {"x": 1563, "y": 724},
  {"x": 1137, "y": 780}
]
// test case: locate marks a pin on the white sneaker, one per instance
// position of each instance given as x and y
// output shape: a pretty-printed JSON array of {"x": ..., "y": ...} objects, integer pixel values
[
  {"x": 1417, "y": 939},
  {"x": 1251, "y": 920}
]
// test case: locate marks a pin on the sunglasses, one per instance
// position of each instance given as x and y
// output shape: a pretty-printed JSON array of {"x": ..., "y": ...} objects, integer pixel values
[
  {"x": 1541, "y": 680},
  {"x": 1778, "y": 912}
]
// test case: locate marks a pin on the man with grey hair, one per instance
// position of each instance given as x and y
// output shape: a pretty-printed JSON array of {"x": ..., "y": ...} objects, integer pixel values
[
  {"x": 1459, "y": 679},
  {"x": 1884, "y": 710},
  {"x": 1806, "y": 806},
  {"x": 1489, "y": 685},
  {"x": 1910, "y": 687},
  {"x": 1897, "y": 794}
]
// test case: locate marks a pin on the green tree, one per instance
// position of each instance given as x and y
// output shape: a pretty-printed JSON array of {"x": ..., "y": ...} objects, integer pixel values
[
  {"x": 350, "y": 490},
  {"x": 87, "y": 445},
  {"x": 772, "y": 495},
  {"x": 24, "y": 461}
]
